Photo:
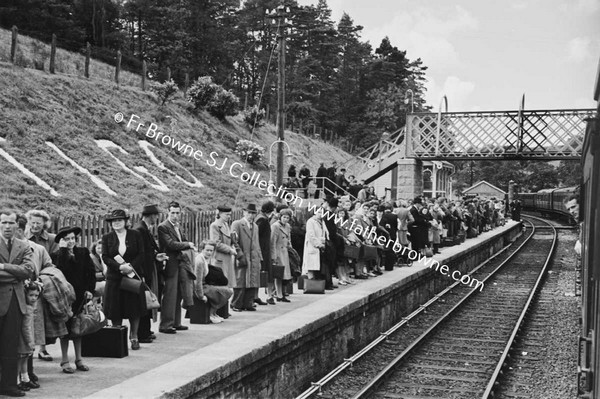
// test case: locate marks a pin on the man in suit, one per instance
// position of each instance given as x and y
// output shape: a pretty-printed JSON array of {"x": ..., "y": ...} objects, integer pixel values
[
  {"x": 16, "y": 265},
  {"x": 153, "y": 261},
  {"x": 172, "y": 242},
  {"x": 245, "y": 233}
]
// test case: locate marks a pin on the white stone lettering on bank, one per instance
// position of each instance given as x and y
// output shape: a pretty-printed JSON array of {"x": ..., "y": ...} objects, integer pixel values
[
  {"x": 106, "y": 145},
  {"x": 95, "y": 179},
  {"x": 147, "y": 147}
]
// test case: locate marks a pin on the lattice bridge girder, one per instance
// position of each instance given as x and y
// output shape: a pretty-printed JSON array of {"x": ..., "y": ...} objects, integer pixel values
[{"x": 532, "y": 134}]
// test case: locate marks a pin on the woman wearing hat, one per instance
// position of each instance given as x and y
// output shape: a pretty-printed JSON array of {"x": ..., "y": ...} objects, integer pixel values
[
  {"x": 225, "y": 252},
  {"x": 280, "y": 244},
  {"x": 123, "y": 254},
  {"x": 77, "y": 267}
]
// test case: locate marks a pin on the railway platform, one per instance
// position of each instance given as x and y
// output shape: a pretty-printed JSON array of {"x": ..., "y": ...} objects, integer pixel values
[{"x": 275, "y": 352}]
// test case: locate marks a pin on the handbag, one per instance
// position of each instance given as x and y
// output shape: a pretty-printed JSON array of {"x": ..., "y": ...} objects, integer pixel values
[
  {"x": 215, "y": 277},
  {"x": 314, "y": 286},
  {"x": 428, "y": 252},
  {"x": 151, "y": 300},
  {"x": 89, "y": 320},
  {"x": 131, "y": 284}
]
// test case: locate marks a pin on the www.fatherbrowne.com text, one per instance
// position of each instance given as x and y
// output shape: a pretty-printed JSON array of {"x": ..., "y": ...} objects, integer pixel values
[{"x": 236, "y": 170}]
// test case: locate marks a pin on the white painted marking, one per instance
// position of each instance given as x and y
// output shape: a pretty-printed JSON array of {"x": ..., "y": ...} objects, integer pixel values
[
  {"x": 27, "y": 172},
  {"x": 96, "y": 180},
  {"x": 146, "y": 146},
  {"x": 107, "y": 144}
]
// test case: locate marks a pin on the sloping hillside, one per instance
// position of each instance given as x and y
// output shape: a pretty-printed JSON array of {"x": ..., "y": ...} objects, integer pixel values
[{"x": 62, "y": 129}]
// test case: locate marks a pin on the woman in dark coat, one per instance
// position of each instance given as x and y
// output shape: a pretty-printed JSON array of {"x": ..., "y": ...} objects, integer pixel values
[
  {"x": 75, "y": 263},
  {"x": 123, "y": 252}
]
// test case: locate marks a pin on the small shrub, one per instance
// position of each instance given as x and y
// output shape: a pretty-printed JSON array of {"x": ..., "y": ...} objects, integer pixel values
[
  {"x": 223, "y": 103},
  {"x": 249, "y": 151},
  {"x": 202, "y": 92},
  {"x": 165, "y": 90},
  {"x": 254, "y": 117}
]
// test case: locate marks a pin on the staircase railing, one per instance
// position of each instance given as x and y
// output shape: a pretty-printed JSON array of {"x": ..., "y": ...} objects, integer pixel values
[{"x": 377, "y": 153}]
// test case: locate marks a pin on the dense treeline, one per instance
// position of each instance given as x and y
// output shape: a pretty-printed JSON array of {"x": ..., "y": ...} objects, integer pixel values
[{"x": 335, "y": 80}]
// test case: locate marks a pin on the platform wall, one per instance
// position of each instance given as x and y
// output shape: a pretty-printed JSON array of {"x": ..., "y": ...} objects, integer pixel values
[{"x": 287, "y": 365}]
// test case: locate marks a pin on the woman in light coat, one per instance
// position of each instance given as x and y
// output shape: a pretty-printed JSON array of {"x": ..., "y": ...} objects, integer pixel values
[
  {"x": 316, "y": 235},
  {"x": 224, "y": 256},
  {"x": 280, "y": 243}
]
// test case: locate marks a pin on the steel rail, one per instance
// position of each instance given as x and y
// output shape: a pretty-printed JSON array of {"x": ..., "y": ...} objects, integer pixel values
[
  {"x": 534, "y": 291},
  {"x": 317, "y": 386},
  {"x": 376, "y": 381}
]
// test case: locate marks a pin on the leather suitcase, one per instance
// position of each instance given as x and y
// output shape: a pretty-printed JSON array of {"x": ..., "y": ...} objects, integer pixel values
[
  {"x": 278, "y": 271},
  {"x": 107, "y": 342},
  {"x": 314, "y": 286},
  {"x": 369, "y": 252},
  {"x": 199, "y": 313}
]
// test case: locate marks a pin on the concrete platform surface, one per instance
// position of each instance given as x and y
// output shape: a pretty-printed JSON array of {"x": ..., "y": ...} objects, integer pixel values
[{"x": 174, "y": 360}]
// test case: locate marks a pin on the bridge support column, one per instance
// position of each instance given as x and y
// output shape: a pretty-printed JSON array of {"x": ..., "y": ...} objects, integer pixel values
[{"x": 410, "y": 178}]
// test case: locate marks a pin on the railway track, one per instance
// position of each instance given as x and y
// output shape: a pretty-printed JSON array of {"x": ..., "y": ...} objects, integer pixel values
[{"x": 462, "y": 353}]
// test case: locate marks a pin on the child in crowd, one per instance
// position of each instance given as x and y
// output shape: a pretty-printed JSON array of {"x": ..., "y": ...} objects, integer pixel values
[{"x": 33, "y": 290}]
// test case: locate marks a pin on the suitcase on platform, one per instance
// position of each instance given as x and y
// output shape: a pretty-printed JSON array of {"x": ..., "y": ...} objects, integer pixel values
[
  {"x": 199, "y": 313},
  {"x": 107, "y": 342}
]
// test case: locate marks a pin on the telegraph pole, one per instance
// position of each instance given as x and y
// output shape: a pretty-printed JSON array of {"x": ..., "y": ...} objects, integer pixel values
[{"x": 281, "y": 13}]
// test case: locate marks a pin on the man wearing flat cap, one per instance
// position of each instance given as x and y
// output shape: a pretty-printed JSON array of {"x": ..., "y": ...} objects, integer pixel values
[
  {"x": 16, "y": 265},
  {"x": 152, "y": 263},
  {"x": 245, "y": 233},
  {"x": 172, "y": 241}
]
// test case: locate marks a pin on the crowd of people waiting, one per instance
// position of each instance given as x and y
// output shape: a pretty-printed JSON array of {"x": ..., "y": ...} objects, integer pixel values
[{"x": 45, "y": 279}]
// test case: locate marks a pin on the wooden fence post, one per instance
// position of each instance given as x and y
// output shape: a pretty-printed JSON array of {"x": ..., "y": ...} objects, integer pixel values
[
  {"x": 13, "y": 44},
  {"x": 186, "y": 84},
  {"x": 118, "y": 68},
  {"x": 144, "y": 72},
  {"x": 88, "y": 54},
  {"x": 53, "y": 53}
]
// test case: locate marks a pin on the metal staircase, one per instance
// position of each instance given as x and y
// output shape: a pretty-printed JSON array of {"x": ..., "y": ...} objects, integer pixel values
[{"x": 379, "y": 158}]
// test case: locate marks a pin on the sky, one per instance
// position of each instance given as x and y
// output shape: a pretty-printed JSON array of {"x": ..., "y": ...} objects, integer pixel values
[{"x": 485, "y": 54}]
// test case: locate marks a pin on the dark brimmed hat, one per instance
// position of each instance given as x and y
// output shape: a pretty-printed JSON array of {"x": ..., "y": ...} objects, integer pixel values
[
  {"x": 150, "y": 210},
  {"x": 267, "y": 207},
  {"x": 251, "y": 208},
  {"x": 223, "y": 208},
  {"x": 116, "y": 214},
  {"x": 66, "y": 231}
]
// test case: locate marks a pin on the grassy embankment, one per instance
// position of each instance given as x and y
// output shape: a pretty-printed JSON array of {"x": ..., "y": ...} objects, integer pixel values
[{"x": 71, "y": 111}]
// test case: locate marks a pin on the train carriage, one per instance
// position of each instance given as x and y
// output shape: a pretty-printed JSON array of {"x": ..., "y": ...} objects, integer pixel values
[
  {"x": 560, "y": 197},
  {"x": 543, "y": 200},
  {"x": 589, "y": 214},
  {"x": 527, "y": 200}
]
